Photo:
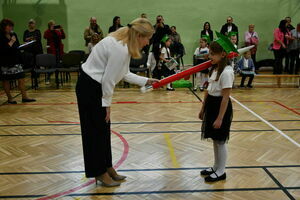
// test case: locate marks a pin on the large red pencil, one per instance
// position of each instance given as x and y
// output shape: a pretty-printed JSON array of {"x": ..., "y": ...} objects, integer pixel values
[{"x": 182, "y": 74}]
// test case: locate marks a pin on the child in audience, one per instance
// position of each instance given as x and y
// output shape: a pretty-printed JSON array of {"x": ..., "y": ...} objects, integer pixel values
[
  {"x": 94, "y": 40},
  {"x": 200, "y": 56},
  {"x": 233, "y": 39},
  {"x": 246, "y": 68},
  {"x": 167, "y": 63}
]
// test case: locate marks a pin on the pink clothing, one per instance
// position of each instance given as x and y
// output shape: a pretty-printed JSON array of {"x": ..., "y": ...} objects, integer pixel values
[
  {"x": 251, "y": 39},
  {"x": 278, "y": 35}
]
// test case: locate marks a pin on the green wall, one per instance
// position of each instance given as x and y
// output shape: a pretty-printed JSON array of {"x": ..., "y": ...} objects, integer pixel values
[{"x": 187, "y": 15}]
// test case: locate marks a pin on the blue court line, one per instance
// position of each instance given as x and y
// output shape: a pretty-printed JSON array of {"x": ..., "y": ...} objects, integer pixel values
[
  {"x": 148, "y": 122},
  {"x": 158, "y": 192},
  {"x": 278, "y": 183},
  {"x": 138, "y": 132},
  {"x": 153, "y": 169}
]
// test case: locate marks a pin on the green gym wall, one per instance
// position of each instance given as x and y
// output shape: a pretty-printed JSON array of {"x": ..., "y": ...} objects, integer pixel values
[{"x": 187, "y": 15}]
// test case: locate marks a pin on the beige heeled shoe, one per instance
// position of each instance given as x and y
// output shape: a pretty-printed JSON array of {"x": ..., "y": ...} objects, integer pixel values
[
  {"x": 112, "y": 184},
  {"x": 119, "y": 177}
]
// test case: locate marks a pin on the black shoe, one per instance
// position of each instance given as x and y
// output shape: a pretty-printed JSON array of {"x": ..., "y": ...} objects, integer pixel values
[
  {"x": 218, "y": 178},
  {"x": 28, "y": 100},
  {"x": 241, "y": 86},
  {"x": 249, "y": 86},
  {"x": 207, "y": 173},
  {"x": 170, "y": 89},
  {"x": 11, "y": 102}
]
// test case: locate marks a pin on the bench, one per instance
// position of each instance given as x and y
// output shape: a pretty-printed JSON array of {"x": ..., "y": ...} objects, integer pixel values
[{"x": 279, "y": 76}]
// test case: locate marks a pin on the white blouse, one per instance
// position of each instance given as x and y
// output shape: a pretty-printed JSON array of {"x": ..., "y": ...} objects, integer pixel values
[
  {"x": 225, "y": 81},
  {"x": 108, "y": 64}
]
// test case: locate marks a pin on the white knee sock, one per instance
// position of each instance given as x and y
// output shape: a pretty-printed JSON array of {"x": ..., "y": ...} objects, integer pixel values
[
  {"x": 221, "y": 150},
  {"x": 215, "y": 166}
]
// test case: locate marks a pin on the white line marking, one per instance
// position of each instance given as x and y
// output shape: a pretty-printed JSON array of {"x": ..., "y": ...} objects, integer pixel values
[{"x": 265, "y": 121}]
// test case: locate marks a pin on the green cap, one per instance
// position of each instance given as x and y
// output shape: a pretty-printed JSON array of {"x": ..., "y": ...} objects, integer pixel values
[
  {"x": 206, "y": 37},
  {"x": 165, "y": 38},
  {"x": 232, "y": 33},
  {"x": 225, "y": 43}
]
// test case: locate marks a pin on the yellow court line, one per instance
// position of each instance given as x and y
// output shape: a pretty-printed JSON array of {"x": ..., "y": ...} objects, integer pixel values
[{"x": 171, "y": 150}]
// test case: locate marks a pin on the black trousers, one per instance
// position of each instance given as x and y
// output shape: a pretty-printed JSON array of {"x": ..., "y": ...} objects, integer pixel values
[
  {"x": 294, "y": 62},
  {"x": 279, "y": 55},
  {"x": 95, "y": 132},
  {"x": 244, "y": 76}
]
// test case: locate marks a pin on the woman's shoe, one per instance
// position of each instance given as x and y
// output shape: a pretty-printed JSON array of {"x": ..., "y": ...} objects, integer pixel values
[
  {"x": 119, "y": 177},
  {"x": 11, "y": 102},
  {"x": 206, "y": 172},
  {"x": 218, "y": 178},
  {"x": 112, "y": 184},
  {"x": 28, "y": 100}
]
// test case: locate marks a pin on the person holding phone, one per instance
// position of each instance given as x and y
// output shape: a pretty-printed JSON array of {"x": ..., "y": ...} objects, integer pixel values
[{"x": 54, "y": 36}]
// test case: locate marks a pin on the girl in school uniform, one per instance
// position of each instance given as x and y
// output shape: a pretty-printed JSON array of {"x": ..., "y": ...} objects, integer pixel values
[
  {"x": 107, "y": 64},
  {"x": 216, "y": 111}
]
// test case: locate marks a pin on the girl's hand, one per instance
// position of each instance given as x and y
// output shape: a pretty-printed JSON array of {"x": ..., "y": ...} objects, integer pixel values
[
  {"x": 107, "y": 118},
  {"x": 217, "y": 124},
  {"x": 151, "y": 81}
]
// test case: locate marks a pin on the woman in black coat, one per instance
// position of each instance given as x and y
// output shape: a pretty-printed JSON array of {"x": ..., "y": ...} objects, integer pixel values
[
  {"x": 11, "y": 61},
  {"x": 207, "y": 31}
]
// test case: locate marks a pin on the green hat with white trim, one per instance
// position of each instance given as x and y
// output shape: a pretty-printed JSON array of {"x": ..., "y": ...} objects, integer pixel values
[{"x": 165, "y": 38}]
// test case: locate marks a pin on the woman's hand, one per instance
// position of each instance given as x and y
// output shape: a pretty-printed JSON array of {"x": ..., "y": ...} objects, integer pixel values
[
  {"x": 217, "y": 124},
  {"x": 12, "y": 40},
  {"x": 107, "y": 118},
  {"x": 151, "y": 81}
]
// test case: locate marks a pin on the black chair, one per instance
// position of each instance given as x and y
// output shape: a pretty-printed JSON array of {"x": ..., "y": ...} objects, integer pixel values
[
  {"x": 71, "y": 62},
  {"x": 135, "y": 65},
  {"x": 28, "y": 65},
  {"x": 45, "y": 64},
  {"x": 81, "y": 53}
]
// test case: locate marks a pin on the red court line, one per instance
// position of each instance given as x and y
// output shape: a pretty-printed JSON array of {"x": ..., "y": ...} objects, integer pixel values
[{"x": 90, "y": 182}]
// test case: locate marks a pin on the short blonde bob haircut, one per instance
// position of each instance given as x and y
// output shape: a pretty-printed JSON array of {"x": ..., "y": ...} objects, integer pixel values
[{"x": 129, "y": 34}]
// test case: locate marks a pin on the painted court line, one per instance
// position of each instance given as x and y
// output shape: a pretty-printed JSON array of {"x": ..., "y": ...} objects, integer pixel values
[
  {"x": 171, "y": 150},
  {"x": 266, "y": 122}
]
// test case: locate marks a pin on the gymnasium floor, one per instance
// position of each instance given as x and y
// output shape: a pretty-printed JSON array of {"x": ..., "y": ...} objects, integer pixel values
[{"x": 156, "y": 143}]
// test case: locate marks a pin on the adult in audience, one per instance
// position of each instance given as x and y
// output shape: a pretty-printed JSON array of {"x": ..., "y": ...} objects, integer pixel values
[
  {"x": 289, "y": 25},
  {"x": 230, "y": 27},
  {"x": 251, "y": 38},
  {"x": 54, "y": 36},
  {"x": 281, "y": 39},
  {"x": 32, "y": 33},
  {"x": 295, "y": 50},
  {"x": 175, "y": 37},
  {"x": 207, "y": 32},
  {"x": 91, "y": 30},
  {"x": 11, "y": 61},
  {"x": 116, "y": 24}
]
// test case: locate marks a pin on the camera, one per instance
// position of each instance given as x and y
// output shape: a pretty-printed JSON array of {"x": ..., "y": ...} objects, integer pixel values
[{"x": 57, "y": 26}]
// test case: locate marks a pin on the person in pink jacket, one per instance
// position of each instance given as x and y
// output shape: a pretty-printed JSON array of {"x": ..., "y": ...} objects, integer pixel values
[{"x": 281, "y": 40}]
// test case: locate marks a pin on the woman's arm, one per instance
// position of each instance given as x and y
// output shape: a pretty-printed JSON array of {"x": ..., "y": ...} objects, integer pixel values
[{"x": 225, "y": 93}]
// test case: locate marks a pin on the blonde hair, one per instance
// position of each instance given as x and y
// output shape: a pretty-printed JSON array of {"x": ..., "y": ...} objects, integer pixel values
[
  {"x": 50, "y": 23},
  {"x": 129, "y": 34}
]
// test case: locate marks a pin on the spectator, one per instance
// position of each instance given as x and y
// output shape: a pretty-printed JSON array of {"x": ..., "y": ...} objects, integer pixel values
[
  {"x": 91, "y": 30},
  {"x": 295, "y": 50},
  {"x": 233, "y": 40},
  {"x": 246, "y": 68},
  {"x": 200, "y": 56},
  {"x": 287, "y": 59},
  {"x": 230, "y": 27},
  {"x": 208, "y": 32},
  {"x": 175, "y": 37},
  {"x": 161, "y": 29},
  {"x": 289, "y": 25},
  {"x": 116, "y": 24},
  {"x": 54, "y": 36},
  {"x": 144, "y": 15},
  {"x": 251, "y": 38},
  {"x": 94, "y": 40},
  {"x": 33, "y": 34},
  {"x": 10, "y": 61},
  {"x": 281, "y": 39}
]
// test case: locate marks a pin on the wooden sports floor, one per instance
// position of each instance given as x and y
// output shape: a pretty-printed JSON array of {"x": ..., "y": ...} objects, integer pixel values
[{"x": 156, "y": 143}]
